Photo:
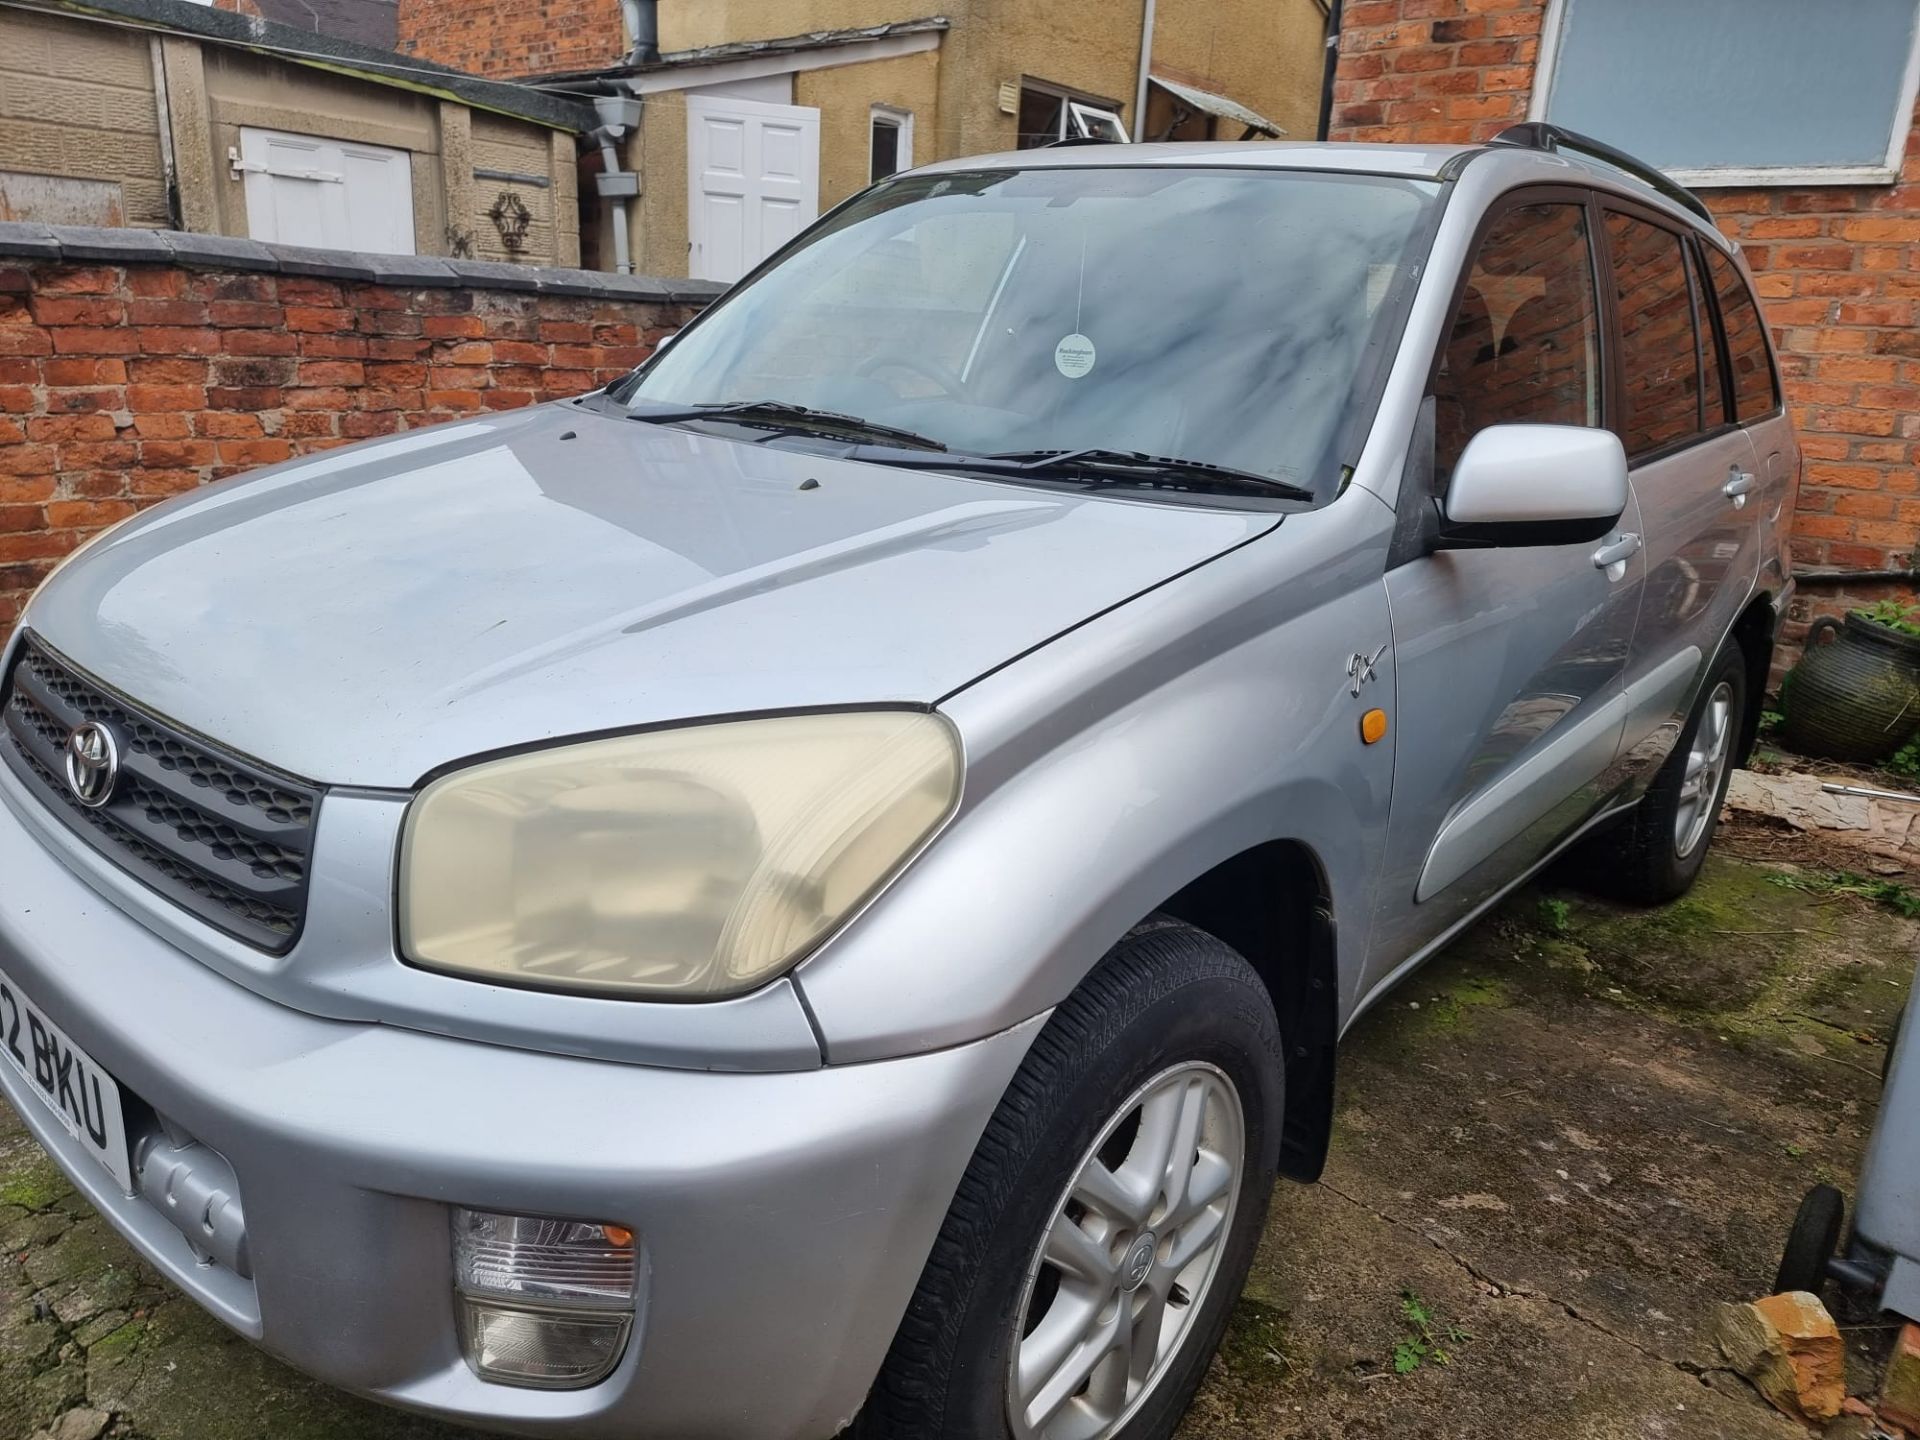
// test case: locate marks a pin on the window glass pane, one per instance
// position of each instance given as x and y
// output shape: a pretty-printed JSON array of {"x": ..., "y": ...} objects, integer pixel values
[
  {"x": 1042, "y": 119},
  {"x": 1745, "y": 83},
  {"x": 1524, "y": 344},
  {"x": 886, "y": 148},
  {"x": 1094, "y": 122},
  {"x": 1713, "y": 397},
  {"x": 1659, "y": 366},
  {"x": 1754, "y": 390}
]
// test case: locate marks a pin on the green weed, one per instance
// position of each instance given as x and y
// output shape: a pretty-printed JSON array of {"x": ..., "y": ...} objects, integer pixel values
[
  {"x": 1891, "y": 893},
  {"x": 1892, "y": 614},
  {"x": 1424, "y": 1336}
]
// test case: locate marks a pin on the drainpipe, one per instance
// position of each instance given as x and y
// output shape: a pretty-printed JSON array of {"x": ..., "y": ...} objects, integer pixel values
[
  {"x": 1146, "y": 70},
  {"x": 643, "y": 30},
  {"x": 618, "y": 114},
  {"x": 1333, "y": 69}
]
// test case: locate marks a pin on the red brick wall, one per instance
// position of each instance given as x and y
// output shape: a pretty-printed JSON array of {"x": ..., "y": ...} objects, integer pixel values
[
  {"x": 120, "y": 386},
  {"x": 511, "y": 38},
  {"x": 1837, "y": 267}
]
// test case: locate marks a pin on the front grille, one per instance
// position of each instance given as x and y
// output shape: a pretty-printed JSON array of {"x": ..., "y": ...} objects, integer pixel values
[{"x": 221, "y": 836}]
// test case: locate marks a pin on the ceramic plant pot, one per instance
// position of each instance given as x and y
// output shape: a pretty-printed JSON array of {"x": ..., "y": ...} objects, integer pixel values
[{"x": 1855, "y": 695}]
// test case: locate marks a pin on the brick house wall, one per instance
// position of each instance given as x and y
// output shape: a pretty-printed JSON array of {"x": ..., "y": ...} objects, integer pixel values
[
  {"x": 122, "y": 383},
  {"x": 510, "y": 38},
  {"x": 1837, "y": 268}
]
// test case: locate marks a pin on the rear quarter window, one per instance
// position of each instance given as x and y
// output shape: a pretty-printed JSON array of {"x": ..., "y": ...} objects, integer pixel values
[{"x": 1755, "y": 390}]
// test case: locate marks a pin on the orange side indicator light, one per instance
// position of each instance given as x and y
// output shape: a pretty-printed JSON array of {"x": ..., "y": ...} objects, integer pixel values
[
  {"x": 619, "y": 1236},
  {"x": 1373, "y": 727}
]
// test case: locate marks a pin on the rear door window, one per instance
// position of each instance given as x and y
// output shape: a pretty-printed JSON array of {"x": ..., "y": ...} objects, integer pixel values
[
  {"x": 1755, "y": 390},
  {"x": 1659, "y": 348}
]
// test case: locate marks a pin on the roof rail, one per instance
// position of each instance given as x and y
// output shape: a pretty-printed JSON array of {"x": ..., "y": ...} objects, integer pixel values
[{"x": 1539, "y": 135}]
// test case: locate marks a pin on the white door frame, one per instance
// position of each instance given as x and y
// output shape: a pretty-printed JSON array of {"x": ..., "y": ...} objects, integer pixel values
[{"x": 807, "y": 183}]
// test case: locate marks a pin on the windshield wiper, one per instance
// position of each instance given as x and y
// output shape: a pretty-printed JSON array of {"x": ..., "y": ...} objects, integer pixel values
[
  {"x": 1133, "y": 465},
  {"x": 795, "y": 419}
]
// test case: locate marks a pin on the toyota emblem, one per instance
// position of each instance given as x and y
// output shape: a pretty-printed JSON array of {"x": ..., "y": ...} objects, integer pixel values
[{"x": 93, "y": 764}]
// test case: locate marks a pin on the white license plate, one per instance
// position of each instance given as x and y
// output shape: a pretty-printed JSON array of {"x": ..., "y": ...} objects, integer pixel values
[{"x": 67, "y": 1080}]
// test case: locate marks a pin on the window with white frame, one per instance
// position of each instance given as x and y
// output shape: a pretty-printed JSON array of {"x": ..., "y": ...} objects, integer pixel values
[
  {"x": 891, "y": 148},
  {"x": 1738, "y": 92},
  {"x": 341, "y": 195},
  {"x": 1049, "y": 115}
]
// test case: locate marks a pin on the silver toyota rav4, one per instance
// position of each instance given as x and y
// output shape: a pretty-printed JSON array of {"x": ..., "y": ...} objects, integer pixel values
[{"x": 819, "y": 886}]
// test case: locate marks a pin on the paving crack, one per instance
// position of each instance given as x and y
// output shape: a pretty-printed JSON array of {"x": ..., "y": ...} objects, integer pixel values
[{"x": 1506, "y": 1288}]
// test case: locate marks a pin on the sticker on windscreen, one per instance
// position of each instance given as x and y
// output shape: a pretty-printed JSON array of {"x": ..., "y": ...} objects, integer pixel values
[{"x": 1074, "y": 356}]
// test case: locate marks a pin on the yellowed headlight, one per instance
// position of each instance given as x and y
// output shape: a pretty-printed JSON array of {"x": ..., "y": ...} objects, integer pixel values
[{"x": 679, "y": 864}]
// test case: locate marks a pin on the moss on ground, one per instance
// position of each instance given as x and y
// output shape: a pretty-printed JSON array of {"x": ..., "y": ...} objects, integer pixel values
[
  {"x": 33, "y": 1182},
  {"x": 1255, "y": 1343}
]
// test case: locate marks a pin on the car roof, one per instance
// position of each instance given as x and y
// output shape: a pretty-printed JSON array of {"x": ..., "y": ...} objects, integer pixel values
[
  {"x": 1414, "y": 161},
  {"x": 1517, "y": 164}
]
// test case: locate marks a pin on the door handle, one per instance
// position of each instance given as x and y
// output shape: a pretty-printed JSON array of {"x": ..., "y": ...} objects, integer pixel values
[
  {"x": 1617, "y": 552},
  {"x": 1737, "y": 486}
]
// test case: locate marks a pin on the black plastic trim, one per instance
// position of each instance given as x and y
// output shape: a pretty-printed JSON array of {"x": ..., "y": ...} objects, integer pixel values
[
  {"x": 225, "y": 838},
  {"x": 1510, "y": 533}
]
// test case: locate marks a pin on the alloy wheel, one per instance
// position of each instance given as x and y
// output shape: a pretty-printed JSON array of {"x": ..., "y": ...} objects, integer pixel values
[
  {"x": 1706, "y": 764},
  {"x": 1129, "y": 1256}
]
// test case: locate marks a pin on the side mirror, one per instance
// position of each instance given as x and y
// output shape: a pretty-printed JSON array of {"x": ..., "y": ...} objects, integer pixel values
[{"x": 1535, "y": 485}]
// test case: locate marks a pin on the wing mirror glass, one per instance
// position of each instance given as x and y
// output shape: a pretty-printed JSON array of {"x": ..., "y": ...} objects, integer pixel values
[{"x": 1535, "y": 485}]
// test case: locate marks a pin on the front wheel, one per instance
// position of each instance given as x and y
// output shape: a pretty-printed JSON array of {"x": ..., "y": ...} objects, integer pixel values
[{"x": 1092, "y": 1255}]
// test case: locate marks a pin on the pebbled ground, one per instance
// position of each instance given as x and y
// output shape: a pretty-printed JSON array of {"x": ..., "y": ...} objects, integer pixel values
[{"x": 1558, "y": 1147}]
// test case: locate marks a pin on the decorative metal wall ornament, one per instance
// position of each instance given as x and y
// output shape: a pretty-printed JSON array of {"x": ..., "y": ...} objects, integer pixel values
[{"x": 512, "y": 219}]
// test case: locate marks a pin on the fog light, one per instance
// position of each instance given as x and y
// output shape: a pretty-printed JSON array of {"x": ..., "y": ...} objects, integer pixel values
[
  {"x": 546, "y": 1349},
  {"x": 542, "y": 1302}
]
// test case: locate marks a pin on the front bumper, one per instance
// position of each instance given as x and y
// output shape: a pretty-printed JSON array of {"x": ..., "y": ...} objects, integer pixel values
[{"x": 784, "y": 1218}]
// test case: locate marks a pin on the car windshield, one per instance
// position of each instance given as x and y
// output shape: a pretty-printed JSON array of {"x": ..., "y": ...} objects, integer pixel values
[{"x": 1214, "y": 315}]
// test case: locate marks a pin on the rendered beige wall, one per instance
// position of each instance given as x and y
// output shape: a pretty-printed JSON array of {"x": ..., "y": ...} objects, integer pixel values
[
  {"x": 659, "y": 153},
  {"x": 693, "y": 24},
  {"x": 845, "y": 97},
  {"x": 78, "y": 100},
  {"x": 1269, "y": 55},
  {"x": 1091, "y": 49}
]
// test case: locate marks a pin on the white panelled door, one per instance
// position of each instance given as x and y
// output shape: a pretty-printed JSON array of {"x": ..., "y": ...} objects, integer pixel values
[
  {"x": 302, "y": 190},
  {"x": 753, "y": 181}
]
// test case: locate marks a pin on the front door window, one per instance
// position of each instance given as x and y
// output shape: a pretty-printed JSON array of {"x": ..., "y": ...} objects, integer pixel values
[{"x": 1524, "y": 345}]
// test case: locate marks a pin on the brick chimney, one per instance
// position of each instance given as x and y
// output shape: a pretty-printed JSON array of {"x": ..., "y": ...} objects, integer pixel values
[{"x": 511, "y": 39}]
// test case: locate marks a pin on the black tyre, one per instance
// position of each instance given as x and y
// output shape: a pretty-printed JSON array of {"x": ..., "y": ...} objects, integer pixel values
[
  {"x": 1812, "y": 1241},
  {"x": 1655, "y": 854},
  {"x": 1120, "y": 1187}
]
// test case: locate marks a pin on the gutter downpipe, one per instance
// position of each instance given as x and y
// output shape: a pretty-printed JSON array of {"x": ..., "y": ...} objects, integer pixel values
[
  {"x": 1146, "y": 70},
  {"x": 643, "y": 30},
  {"x": 1333, "y": 69},
  {"x": 618, "y": 114},
  {"x": 622, "y": 250}
]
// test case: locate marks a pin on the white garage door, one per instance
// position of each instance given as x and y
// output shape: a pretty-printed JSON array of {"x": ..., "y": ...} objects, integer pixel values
[
  {"x": 302, "y": 190},
  {"x": 753, "y": 180}
]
